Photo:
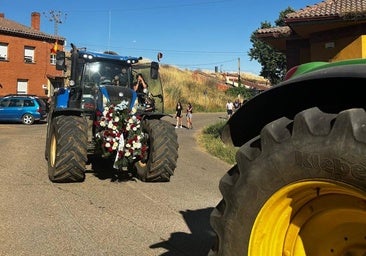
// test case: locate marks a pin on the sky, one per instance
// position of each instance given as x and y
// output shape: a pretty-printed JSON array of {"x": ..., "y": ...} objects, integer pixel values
[{"x": 191, "y": 34}]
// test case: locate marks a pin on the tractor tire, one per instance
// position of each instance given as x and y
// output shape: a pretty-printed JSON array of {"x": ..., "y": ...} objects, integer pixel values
[
  {"x": 297, "y": 189},
  {"x": 67, "y": 150},
  {"x": 163, "y": 152}
]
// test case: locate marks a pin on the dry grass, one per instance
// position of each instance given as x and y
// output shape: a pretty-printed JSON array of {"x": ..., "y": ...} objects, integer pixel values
[{"x": 187, "y": 86}]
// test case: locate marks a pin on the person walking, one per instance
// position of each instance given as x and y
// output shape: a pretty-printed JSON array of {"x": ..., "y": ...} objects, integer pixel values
[
  {"x": 178, "y": 115},
  {"x": 189, "y": 116},
  {"x": 229, "y": 108},
  {"x": 237, "y": 105}
]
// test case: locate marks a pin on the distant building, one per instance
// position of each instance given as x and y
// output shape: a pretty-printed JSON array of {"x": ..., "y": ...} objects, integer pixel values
[
  {"x": 27, "y": 58},
  {"x": 328, "y": 31}
]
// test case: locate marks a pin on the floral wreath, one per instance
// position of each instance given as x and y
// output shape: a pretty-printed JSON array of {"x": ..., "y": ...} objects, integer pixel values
[{"x": 120, "y": 133}]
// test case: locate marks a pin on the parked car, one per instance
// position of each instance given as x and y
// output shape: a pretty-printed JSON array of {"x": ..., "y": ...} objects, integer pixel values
[{"x": 22, "y": 108}]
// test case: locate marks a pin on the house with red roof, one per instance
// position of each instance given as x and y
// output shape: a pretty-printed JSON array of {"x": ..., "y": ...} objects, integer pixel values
[
  {"x": 27, "y": 58},
  {"x": 328, "y": 31}
]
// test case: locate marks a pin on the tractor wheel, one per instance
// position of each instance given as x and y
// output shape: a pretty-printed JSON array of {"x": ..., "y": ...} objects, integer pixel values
[
  {"x": 67, "y": 153},
  {"x": 163, "y": 152},
  {"x": 297, "y": 189},
  {"x": 47, "y": 146}
]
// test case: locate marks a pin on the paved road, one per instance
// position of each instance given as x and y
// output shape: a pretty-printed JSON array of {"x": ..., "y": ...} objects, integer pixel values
[{"x": 105, "y": 215}]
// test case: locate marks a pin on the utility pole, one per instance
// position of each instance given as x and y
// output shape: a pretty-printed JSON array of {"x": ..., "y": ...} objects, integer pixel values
[
  {"x": 239, "y": 72},
  {"x": 55, "y": 17}
]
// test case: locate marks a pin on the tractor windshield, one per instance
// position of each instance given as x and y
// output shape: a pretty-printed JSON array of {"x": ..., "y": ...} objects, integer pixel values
[
  {"x": 106, "y": 73},
  {"x": 98, "y": 73}
]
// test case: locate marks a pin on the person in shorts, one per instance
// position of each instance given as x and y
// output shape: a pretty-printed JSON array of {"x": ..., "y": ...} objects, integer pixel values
[
  {"x": 229, "y": 108},
  {"x": 178, "y": 114},
  {"x": 189, "y": 116}
]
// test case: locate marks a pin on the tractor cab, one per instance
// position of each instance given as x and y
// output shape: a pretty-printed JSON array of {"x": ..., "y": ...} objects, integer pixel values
[{"x": 95, "y": 77}]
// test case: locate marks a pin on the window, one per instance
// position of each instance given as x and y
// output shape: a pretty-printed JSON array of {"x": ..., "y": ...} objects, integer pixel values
[
  {"x": 3, "y": 51},
  {"x": 53, "y": 59},
  {"x": 28, "y": 103},
  {"x": 22, "y": 86},
  {"x": 15, "y": 103},
  {"x": 29, "y": 54},
  {"x": 5, "y": 103}
]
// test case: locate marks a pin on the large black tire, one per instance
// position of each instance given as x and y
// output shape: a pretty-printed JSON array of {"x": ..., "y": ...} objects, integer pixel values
[
  {"x": 67, "y": 149},
  {"x": 163, "y": 152},
  {"x": 297, "y": 189}
]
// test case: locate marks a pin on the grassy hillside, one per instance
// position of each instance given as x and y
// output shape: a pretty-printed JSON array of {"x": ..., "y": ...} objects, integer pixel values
[
  {"x": 207, "y": 92},
  {"x": 187, "y": 86}
]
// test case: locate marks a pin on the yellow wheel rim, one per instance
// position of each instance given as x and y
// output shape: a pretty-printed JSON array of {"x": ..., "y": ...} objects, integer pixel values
[
  {"x": 311, "y": 218},
  {"x": 52, "y": 154}
]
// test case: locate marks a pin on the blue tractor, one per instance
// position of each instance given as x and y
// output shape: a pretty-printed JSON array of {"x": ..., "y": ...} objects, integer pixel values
[{"x": 98, "y": 115}]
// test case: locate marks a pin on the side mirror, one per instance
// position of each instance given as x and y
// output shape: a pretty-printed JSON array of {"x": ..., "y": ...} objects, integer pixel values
[
  {"x": 60, "y": 61},
  {"x": 154, "y": 70}
]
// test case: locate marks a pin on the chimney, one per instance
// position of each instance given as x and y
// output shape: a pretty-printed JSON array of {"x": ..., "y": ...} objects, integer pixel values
[
  {"x": 2, "y": 15},
  {"x": 36, "y": 18}
]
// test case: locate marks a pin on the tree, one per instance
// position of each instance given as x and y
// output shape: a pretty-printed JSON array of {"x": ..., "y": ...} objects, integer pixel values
[{"x": 273, "y": 62}]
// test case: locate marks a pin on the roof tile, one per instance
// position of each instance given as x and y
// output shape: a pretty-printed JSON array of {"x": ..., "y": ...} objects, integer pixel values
[
  {"x": 328, "y": 8},
  {"x": 9, "y": 26}
]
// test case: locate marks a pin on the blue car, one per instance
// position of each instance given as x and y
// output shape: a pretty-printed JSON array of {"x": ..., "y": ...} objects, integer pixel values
[{"x": 22, "y": 108}]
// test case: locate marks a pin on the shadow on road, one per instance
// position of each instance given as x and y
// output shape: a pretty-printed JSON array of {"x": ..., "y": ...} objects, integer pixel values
[
  {"x": 103, "y": 169},
  {"x": 198, "y": 243}
]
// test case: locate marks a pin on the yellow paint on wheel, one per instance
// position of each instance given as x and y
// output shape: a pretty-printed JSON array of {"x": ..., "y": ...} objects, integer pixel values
[{"x": 311, "y": 218}]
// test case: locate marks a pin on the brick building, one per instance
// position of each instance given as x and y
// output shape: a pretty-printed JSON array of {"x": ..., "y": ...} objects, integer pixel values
[{"x": 27, "y": 59}]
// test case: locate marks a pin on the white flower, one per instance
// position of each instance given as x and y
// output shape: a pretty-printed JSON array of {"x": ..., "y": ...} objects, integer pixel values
[
  {"x": 113, "y": 138},
  {"x": 137, "y": 145}
]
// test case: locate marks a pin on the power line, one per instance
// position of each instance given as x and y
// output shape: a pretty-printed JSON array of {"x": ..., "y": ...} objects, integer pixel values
[
  {"x": 168, "y": 50},
  {"x": 139, "y": 9},
  {"x": 206, "y": 64}
]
